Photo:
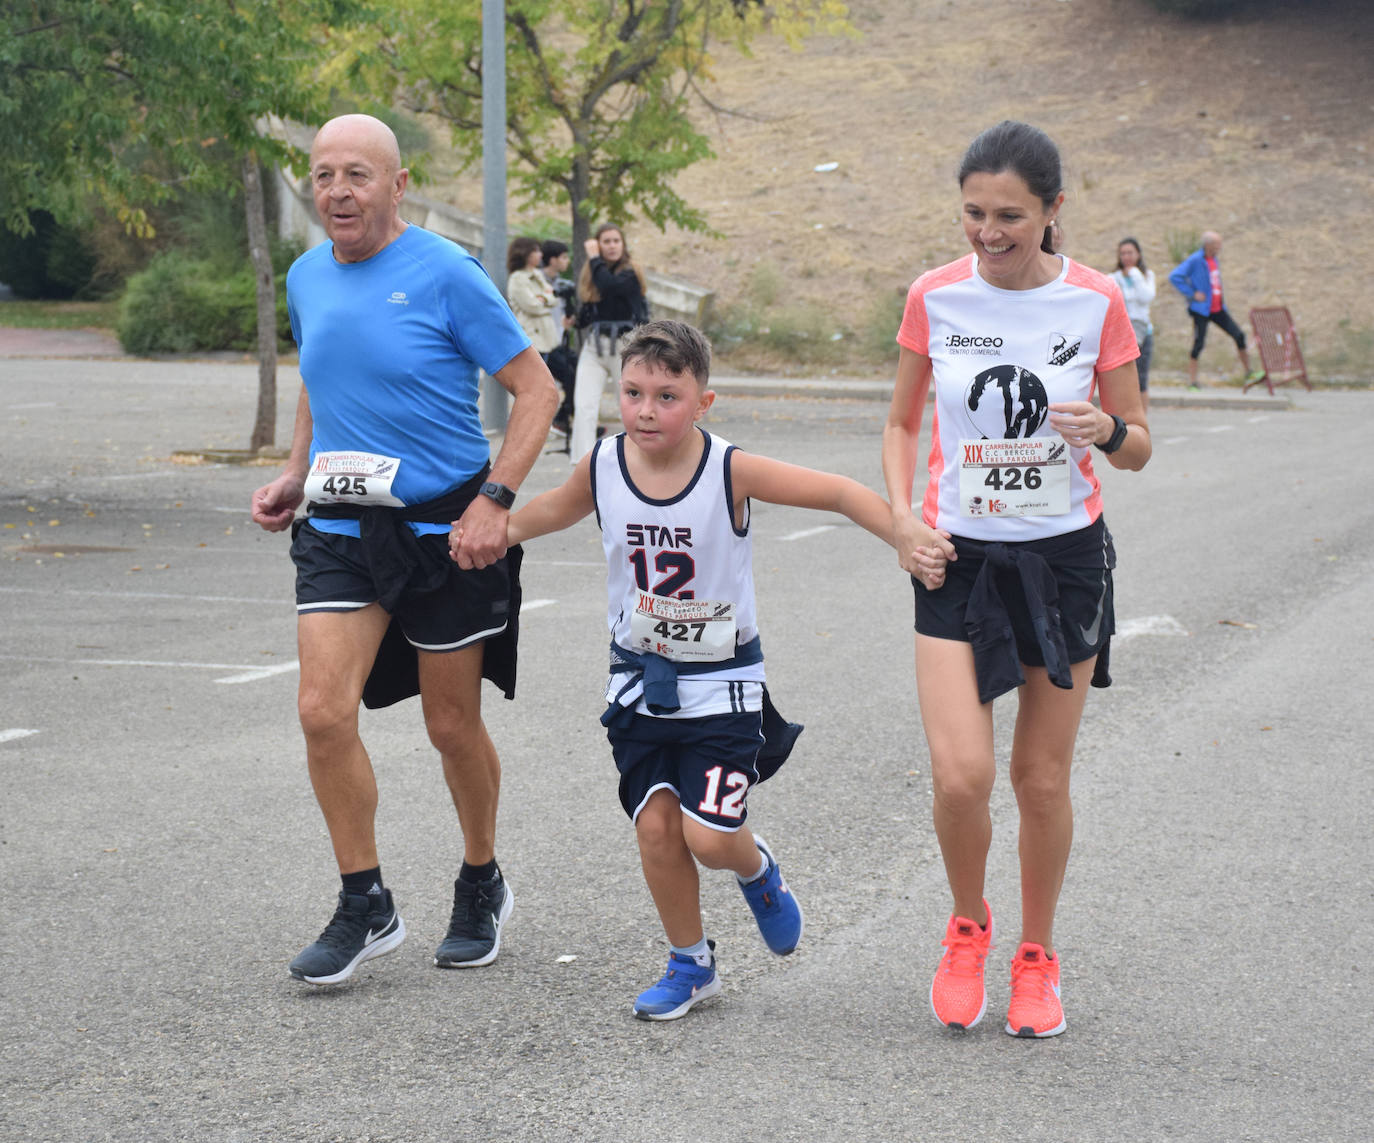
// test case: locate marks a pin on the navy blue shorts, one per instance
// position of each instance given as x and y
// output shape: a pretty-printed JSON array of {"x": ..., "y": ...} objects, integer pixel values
[
  {"x": 332, "y": 575},
  {"x": 709, "y": 763},
  {"x": 1085, "y": 605}
]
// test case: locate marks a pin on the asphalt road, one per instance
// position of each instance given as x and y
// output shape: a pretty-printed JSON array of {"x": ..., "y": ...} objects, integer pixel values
[{"x": 164, "y": 857}]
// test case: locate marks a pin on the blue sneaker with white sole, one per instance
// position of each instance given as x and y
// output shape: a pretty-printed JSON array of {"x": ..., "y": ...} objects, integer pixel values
[
  {"x": 685, "y": 984},
  {"x": 775, "y": 909}
]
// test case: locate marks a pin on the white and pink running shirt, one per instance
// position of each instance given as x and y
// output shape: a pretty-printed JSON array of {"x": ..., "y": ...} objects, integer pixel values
[{"x": 999, "y": 359}]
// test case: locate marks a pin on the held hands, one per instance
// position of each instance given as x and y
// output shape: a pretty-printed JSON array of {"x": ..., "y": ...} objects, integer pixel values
[
  {"x": 1080, "y": 423},
  {"x": 923, "y": 552},
  {"x": 274, "y": 505},
  {"x": 477, "y": 539}
]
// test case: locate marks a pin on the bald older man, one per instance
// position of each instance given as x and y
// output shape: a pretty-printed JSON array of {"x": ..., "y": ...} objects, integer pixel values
[
  {"x": 1198, "y": 278},
  {"x": 393, "y": 324}
]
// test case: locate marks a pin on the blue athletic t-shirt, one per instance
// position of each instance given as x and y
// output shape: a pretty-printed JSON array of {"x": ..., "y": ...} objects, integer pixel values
[{"x": 390, "y": 349}]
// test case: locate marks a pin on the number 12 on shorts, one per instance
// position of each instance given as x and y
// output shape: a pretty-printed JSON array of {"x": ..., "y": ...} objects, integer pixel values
[{"x": 732, "y": 805}]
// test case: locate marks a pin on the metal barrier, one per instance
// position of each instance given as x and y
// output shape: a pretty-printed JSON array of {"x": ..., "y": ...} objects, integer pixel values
[{"x": 1277, "y": 341}]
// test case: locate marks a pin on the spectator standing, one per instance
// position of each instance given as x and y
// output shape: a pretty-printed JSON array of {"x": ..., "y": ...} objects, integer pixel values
[
  {"x": 531, "y": 297},
  {"x": 1137, "y": 285},
  {"x": 562, "y": 359},
  {"x": 611, "y": 291},
  {"x": 1198, "y": 278}
]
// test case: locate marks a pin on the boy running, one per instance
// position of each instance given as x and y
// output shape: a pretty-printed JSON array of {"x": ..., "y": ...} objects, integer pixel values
[{"x": 688, "y": 710}]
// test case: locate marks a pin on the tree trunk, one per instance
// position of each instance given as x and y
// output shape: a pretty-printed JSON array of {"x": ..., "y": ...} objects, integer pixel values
[
  {"x": 581, "y": 225},
  {"x": 265, "y": 424}
]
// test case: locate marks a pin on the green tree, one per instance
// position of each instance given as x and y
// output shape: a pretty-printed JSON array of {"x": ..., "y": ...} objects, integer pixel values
[
  {"x": 88, "y": 88},
  {"x": 599, "y": 92}
]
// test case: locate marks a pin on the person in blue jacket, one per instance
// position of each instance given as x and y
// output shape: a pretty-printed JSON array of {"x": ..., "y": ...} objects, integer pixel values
[{"x": 1198, "y": 278}]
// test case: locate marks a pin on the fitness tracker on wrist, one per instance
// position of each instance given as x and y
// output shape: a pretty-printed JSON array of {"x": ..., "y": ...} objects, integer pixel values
[
  {"x": 500, "y": 493},
  {"x": 1118, "y": 437}
]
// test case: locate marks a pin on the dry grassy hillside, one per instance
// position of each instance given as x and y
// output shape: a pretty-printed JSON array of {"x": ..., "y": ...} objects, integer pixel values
[{"x": 1262, "y": 129}]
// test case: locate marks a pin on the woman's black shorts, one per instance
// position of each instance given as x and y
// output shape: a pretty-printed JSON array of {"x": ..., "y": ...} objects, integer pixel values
[{"x": 1085, "y": 606}]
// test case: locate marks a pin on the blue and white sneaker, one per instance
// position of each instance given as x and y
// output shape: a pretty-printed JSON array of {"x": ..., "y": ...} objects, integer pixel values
[
  {"x": 684, "y": 984},
  {"x": 363, "y": 926},
  {"x": 775, "y": 909}
]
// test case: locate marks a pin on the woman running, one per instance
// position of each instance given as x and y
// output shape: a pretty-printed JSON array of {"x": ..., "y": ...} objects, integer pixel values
[{"x": 1009, "y": 555}]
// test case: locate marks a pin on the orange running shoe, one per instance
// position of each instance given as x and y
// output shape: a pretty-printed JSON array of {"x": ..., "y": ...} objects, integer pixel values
[
  {"x": 957, "y": 995},
  {"x": 1035, "y": 1009}
]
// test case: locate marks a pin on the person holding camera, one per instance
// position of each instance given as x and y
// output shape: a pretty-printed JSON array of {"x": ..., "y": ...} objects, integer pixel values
[{"x": 562, "y": 358}]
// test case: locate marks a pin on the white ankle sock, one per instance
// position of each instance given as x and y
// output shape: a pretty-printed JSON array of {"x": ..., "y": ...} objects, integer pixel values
[
  {"x": 699, "y": 952},
  {"x": 759, "y": 872}
]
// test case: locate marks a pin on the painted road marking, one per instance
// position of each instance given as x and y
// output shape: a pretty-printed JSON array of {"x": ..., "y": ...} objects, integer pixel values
[
  {"x": 142, "y": 595},
  {"x": 253, "y": 674},
  {"x": 15, "y": 732},
  {"x": 1149, "y": 625},
  {"x": 807, "y": 532}
]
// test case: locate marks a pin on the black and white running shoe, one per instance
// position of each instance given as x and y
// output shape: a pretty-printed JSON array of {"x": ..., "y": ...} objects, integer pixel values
[
  {"x": 364, "y": 925},
  {"x": 474, "y": 930}
]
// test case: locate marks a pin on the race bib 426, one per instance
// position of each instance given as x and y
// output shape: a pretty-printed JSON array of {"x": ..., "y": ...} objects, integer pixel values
[{"x": 1025, "y": 477}]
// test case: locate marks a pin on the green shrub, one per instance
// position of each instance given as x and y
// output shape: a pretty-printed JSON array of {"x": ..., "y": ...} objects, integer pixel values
[
  {"x": 181, "y": 304},
  {"x": 1182, "y": 242}
]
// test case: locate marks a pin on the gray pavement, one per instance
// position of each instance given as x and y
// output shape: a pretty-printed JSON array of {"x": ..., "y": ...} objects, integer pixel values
[{"x": 165, "y": 857}]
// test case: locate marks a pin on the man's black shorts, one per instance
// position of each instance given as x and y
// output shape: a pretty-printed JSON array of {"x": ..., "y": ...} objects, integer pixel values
[{"x": 332, "y": 575}]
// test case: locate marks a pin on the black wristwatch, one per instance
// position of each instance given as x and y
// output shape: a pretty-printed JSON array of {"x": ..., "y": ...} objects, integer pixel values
[
  {"x": 500, "y": 493},
  {"x": 1118, "y": 437}
]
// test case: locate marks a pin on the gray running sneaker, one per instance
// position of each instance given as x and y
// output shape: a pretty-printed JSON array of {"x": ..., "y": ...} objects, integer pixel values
[
  {"x": 363, "y": 926},
  {"x": 474, "y": 930}
]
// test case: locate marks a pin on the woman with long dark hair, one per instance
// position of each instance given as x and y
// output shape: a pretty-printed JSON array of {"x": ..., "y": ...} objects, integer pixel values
[
  {"x": 1137, "y": 285},
  {"x": 1009, "y": 556},
  {"x": 610, "y": 290}
]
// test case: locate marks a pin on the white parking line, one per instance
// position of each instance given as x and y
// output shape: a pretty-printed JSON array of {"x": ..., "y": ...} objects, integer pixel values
[
  {"x": 1173, "y": 440},
  {"x": 253, "y": 674},
  {"x": 807, "y": 532},
  {"x": 138, "y": 663},
  {"x": 1220, "y": 429},
  {"x": 141, "y": 595},
  {"x": 13, "y": 733},
  {"x": 1257, "y": 420},
  {"x": 1149, "y": 625}
]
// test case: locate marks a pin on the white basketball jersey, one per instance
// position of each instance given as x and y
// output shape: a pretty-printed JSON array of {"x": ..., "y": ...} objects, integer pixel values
[{"x": 686, "y": 547}]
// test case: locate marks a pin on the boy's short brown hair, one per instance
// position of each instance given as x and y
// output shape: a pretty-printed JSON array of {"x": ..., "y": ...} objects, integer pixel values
[{"x": 673, "y": 346}]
